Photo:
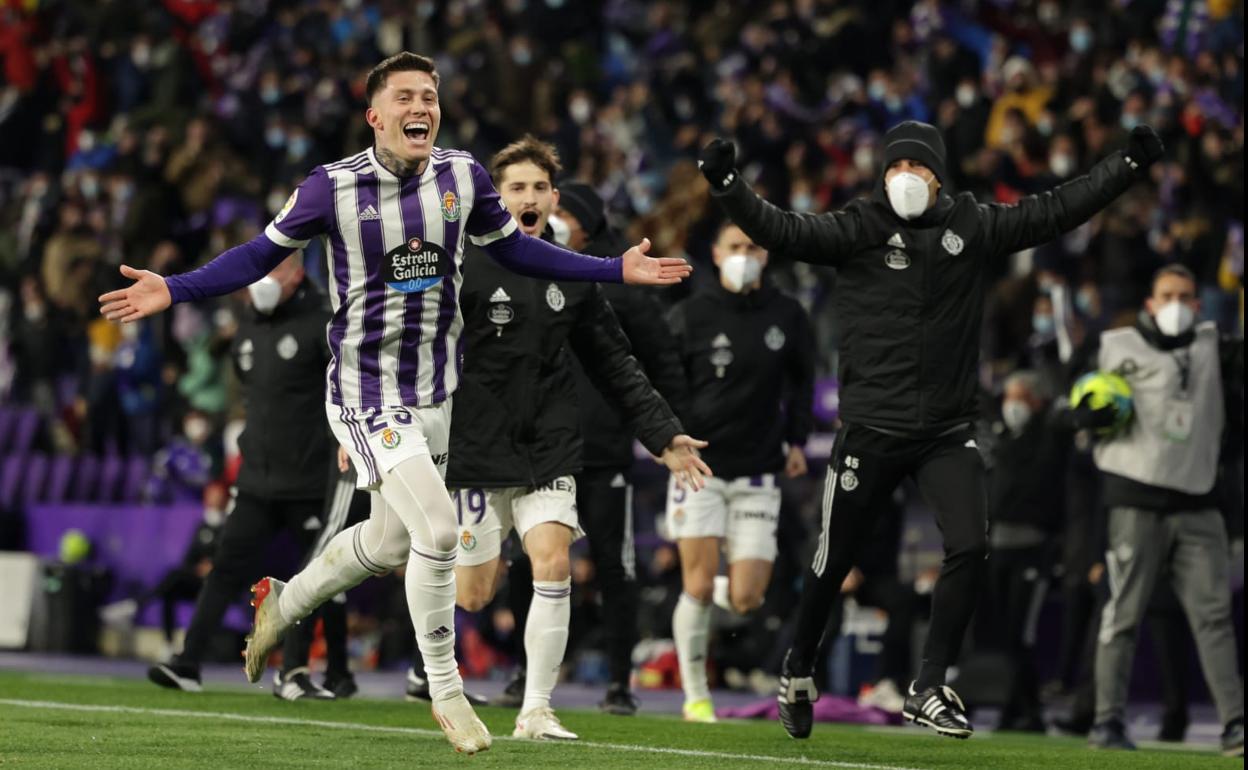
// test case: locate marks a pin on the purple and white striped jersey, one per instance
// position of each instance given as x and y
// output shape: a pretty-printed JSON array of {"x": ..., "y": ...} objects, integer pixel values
[{"x": 395, "y": 249}]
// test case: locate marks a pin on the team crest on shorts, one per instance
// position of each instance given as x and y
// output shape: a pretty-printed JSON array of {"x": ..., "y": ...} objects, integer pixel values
[
  {"x": 467, "y": 540},
  {"x": 390, "y": 438},
  {"x": 849, "y": 481},
  {"x": 450, "y": 206},
  {"x": 952, "y": 242},
  {"x": 678, "y": 515}
]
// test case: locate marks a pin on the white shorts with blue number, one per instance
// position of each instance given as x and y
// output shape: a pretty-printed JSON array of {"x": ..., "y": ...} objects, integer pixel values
[
  {"x": 487, "y": 516},
  {"x": 379, "y": 438},
  {"x": 742, "y": 511}
]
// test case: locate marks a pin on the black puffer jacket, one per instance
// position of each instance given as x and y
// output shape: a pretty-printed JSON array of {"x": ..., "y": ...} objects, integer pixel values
[
  {"x": 281, "y": 359},
  {"x": 516, "y": 418},
  {"x": 910, "y": 294}
]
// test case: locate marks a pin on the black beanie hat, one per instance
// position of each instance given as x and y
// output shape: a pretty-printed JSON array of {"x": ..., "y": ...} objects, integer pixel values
[
  {"x": 582, "y": 202},
  {"x": 912, "y": 140}
]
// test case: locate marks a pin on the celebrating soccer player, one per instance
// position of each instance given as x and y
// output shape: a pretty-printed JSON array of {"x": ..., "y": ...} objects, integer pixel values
[{"x": 394, "y": 217}]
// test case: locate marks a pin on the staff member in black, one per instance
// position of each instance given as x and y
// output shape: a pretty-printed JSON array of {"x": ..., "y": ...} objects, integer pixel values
[
  {"x": 280, "y": 354},
  {"x": 911, "y": 265}
]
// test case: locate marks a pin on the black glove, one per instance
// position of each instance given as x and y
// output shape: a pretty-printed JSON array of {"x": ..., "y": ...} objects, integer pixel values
[
  {"x": 1086, "y": 417},
  {"x": 718, "y": 162},
  {"x": 1144, "y": 148}
]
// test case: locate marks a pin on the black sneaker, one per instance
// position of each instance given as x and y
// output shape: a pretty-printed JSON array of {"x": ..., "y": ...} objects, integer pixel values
[
  {"x": 1110, "y": 735},
  {"x": 176, "y": 676},
  {"x": 1233, "y": 739},
  {"x": 796, "y": 699},
  {"x": 418, "y": 690},
  {"x": 619, "y": 701},
  {"x": 939, "y": 708},
  {"x": 341, "y": 685},
  {"x": 297, "y": 685},
  {"x": 512, "y": 696}
]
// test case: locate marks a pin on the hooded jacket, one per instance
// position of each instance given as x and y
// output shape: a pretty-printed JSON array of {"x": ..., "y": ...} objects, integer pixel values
[
  {"x": 910, "y": 294},
  {"x": 516, "y": 420}
]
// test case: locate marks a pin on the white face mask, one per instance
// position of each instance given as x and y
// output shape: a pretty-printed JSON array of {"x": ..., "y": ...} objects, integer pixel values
[
  {"x": 1174, "y": 318},
  {"x": 196, "y": 429},
  {"x": 1015, "y": 414},
  {"x": 908, "y": 194},
  {"x": 740, "y": 271},
  {"x": 266, "y": 294},
  {"x": 560, "y": 230}
]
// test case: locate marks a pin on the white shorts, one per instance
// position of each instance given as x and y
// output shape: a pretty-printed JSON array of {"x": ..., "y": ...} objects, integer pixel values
[
  {"x": 379, "y": 438},
  {"x": 743, "y": 511},
  {"x": 487, "y": 516}
]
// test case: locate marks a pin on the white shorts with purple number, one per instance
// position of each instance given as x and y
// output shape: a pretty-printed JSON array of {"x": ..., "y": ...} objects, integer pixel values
[
  {"x": 742, "y": 511},
  {"x": 487, "y": 516},
  {"x": 379, "y": 438}
]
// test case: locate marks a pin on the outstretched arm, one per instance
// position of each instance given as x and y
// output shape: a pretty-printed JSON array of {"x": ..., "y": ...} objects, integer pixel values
[
  {"x": 536, "y": 258},
  {"x": 1038, "y": 219},
  {"x": 818, "y": 238}
]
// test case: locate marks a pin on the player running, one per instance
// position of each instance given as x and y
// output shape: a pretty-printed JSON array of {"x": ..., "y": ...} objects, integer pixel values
[{"x": 394, "y": 218}]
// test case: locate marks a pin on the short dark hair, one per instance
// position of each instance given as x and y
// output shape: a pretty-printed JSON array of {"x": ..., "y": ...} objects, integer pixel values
[
  {"x": 403, "y": 61},
  {"x": 1174, "y": 268},
  {"x": 530, "y": 149}
]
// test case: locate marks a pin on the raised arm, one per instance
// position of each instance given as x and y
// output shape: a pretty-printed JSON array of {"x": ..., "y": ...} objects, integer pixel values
[
  {"x": 304, "y": 216},
  {"x": 817, "y": 238},
  {"x": 1038, "y": 219}
]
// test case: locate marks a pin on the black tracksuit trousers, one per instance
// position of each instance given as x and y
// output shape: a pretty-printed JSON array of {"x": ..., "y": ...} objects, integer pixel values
[{"x": 865, "y": 467}]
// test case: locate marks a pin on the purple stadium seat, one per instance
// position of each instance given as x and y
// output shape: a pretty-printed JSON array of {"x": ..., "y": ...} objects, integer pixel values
[
  {"x": 10, "y": 480},
  {"x": 137, "y": 470},
  {"x": 24, "y": 431},
  {"x": 85, "y": 479},
  {"x": 32, "y": 480},
  {"x": 111, "y": 470},
  {"x": 59, "y": 475}
]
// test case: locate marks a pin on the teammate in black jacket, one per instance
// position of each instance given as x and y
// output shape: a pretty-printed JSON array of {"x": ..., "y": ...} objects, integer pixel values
[
  {"x": 516, "y": 424},
  {"x": 911, "y": 265},
  {"x": 280, "y": 354},
  {"x": 747, "y": 354}
]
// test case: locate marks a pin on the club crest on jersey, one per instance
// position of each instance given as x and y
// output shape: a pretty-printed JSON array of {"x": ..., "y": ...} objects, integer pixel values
[
  {"x": 774, "y": 338},
  {"x": 287, "y": 347},
  {"x": 555, "y": 298},
  {"x": 287, "y": 206},
  {"x": 450, "y": 206},
  {"x": 390, "y": 438},
  {"x": 898, "y": 260},
  {"x": 467, "y": 540},
  {"x": 415, "y": 266},
  {"x": 952, "y": 242}
]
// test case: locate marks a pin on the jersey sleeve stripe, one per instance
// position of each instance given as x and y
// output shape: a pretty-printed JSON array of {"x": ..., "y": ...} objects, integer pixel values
[
  {"x": 281, "y": 239},
  {"x": 497, "y": 235}
]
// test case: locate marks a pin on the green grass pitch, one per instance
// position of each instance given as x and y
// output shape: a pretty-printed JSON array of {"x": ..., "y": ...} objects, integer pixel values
[{"x": 103, "y": 723}]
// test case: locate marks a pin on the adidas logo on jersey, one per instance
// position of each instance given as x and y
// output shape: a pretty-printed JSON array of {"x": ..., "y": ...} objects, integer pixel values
[
  {"x": 499, "y": 295},
  {"x": 896, "y": 241},
  {"x": 369, "y": 214}
]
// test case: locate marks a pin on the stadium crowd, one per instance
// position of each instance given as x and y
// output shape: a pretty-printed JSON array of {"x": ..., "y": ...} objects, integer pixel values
[{"x": 159, "y": 134}]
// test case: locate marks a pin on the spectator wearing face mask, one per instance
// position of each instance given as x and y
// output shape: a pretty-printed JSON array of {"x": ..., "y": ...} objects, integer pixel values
[
  {"x": 1160, "y": 479},
  {"x": 1026, "y": 502},
  {"x": 747, "y": 354}
]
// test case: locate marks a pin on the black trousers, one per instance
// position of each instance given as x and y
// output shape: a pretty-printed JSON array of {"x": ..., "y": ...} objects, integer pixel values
[
  {"x": 1018, "y": 580},
  {"x": 604, "y": 505},
  {"x": 864, "y": 469},
  {"x": 180, "y": 584},
  {"x": 239, "y": 562}
]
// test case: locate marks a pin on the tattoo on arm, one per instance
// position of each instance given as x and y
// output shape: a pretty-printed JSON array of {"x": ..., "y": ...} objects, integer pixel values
[{"x": 396, "y": 165}]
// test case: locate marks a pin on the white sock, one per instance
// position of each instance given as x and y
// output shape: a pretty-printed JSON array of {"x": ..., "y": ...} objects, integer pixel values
[
  {"x": 691, "y": 626},
  {"x": 430, "y": 585},
  {"x": 338, "y": 568},
  {"x": 545, "y": 639}
]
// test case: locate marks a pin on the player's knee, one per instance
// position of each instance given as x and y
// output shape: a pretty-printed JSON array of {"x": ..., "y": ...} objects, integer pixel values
[
  {"x": 973, "y": 548},
  {"x": 473, "y": 597},
  {"x": 745, "y": 601},
  {"x": 700, "y": 588},
  {"x": 552, "y": 565}
]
